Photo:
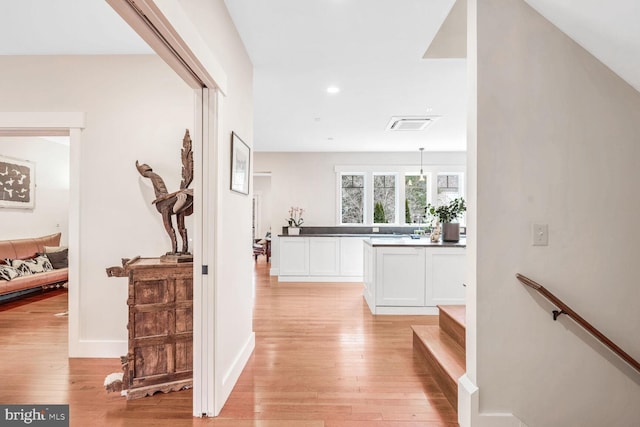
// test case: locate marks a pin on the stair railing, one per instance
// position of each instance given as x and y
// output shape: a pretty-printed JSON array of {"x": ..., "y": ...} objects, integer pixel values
[{"x": 565, "y": 309}]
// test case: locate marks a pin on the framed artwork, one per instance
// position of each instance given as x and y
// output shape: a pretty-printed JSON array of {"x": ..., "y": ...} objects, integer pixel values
[
  {"x": 17, "y": 183},
  {"x": 240, "y": 162}
]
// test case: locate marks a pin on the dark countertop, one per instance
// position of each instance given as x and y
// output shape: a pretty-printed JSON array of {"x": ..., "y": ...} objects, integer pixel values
[
  {"x": 382, "y": 236},
  {"x": 390, "y": 240},
  {"x": 407, "y": 242}
]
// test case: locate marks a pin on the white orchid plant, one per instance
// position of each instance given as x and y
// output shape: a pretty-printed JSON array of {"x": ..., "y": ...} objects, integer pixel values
[{"x": 295, "y": 217}]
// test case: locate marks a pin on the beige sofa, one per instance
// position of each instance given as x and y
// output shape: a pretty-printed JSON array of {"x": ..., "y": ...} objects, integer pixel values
[{"x": 28, "y": 248}]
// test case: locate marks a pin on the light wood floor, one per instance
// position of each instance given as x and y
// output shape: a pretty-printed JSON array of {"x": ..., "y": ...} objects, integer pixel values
[{"x": 321, "y": 359}]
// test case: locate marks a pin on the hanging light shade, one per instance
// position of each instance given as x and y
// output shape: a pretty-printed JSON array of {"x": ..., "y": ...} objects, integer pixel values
[{"x": 421, "y": 173}]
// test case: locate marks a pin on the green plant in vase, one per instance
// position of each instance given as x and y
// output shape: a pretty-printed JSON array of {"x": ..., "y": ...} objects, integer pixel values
[{"x": 447, "y": 215}]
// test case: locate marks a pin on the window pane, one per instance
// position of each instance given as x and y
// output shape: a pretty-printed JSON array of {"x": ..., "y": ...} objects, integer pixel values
[
  {"x": 416, "y": 198},
  {"x": 384, "y": 199},
  {"x": 352, "y": 199},
  {"x": 448, "y": 188}
]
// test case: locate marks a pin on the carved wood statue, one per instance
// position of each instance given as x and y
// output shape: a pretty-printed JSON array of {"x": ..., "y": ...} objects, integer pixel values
[{"x": 178, "y": 203}]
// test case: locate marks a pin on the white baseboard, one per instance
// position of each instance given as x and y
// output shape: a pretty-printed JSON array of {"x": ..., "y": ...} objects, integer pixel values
[
  {"x": 274, "y": 271},
  {"x": 233, "y": 373},
  {"x": 468, "y": 409},
  {"x": 98, "y": 349}
]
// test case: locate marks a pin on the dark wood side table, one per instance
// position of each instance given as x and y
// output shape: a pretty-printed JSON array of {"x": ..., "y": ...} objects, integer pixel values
[{"x": 160, "y": 353}]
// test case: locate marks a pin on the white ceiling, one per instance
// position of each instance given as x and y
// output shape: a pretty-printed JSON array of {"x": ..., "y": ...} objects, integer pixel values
[{"x": 372, "y": 49}]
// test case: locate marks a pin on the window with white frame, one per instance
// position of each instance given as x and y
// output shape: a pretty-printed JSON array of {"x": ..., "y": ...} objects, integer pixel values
[
  {"x": 415, "y": 197},
  {"x": 352, "y": 199},
  {"x": 449, "y": 188},
  {"x": 384, "y": 198},
  {"x": 394, "y": 194}
]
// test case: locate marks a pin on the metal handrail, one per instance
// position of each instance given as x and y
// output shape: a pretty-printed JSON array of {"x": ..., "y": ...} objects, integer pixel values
[{"x": 565, "y": 309}]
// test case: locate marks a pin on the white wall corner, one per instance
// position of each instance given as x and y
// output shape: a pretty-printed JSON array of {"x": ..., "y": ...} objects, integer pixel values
[{"x": 469, "y": 409}]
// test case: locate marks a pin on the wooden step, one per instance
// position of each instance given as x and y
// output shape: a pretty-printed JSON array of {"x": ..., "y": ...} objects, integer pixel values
[
  {"x": 452, "y": 321},
  {"x": 444, "y": 357}
]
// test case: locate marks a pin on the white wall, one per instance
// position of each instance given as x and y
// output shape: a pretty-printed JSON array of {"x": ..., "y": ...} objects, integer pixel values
[
  {"x": 136, "y": 109},
  {"x": 234, "y": 262},
  {"x": 51, "y": 212},
  {"x": 557, "y": 143},
  {"x": 308, "y": 180}
]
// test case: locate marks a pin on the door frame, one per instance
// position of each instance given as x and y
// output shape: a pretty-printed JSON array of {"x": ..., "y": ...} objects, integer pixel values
[{"x": 59, "y": 124}]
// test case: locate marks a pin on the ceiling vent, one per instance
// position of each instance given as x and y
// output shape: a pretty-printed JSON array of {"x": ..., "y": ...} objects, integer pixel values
[{"x": 410, "y": 123}]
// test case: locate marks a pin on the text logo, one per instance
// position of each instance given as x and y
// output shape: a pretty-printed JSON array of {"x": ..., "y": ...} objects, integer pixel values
[{"x": 34, "y": 415}]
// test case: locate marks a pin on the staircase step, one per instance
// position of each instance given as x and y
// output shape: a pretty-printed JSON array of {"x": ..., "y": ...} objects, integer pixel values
[
  {"x": 444, "y": 356},
  {"x": 452, "y": 320}
]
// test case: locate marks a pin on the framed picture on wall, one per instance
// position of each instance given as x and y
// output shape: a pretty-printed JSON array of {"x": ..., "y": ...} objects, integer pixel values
[
  {"x": 240, "y": 162},
  {"x": 17, "y": 183}
]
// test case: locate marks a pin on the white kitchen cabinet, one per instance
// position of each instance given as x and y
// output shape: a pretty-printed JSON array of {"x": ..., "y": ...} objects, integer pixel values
[
  {"x": 446, "y": 276},
  {"x": 294, "y": 256},
  {"x": 351, "y": 256},
  {"x": 324, "y": 256},
  {"x": 400, "y": 277},
  {"x": 321, "y": 258}
]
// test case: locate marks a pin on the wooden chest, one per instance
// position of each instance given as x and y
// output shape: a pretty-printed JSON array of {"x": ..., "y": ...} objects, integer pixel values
[{"x": 160, "y": 354}]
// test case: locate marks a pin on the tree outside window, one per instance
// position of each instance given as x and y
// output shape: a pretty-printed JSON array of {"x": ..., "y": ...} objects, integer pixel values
[
  {"x": 352, "y": 198},
  {"x": 384, "y": 196},
  {"x": 415, "y": 192}
]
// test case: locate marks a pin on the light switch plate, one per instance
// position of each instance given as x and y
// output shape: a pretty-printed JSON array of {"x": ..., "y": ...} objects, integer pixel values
[{"x": 540, "y": 234}]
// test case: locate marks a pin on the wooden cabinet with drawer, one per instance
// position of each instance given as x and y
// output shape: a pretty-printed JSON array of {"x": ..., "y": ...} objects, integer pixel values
[{"x": 160, "y": 352}]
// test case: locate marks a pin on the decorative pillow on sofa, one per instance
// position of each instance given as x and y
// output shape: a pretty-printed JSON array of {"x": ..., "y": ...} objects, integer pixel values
[
  {"x": 7, "y": 272},
  {"x": 58, "y": 255},
  {"x": 39, "y": 264}
]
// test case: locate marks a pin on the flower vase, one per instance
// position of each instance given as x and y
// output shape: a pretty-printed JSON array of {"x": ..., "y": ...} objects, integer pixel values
[
  {"x": 293, "y": 231},
  {"x": 451, "y": 232}
]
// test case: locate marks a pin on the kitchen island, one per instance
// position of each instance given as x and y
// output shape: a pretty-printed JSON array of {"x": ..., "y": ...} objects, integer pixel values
[{"x": 412, "y": 276}]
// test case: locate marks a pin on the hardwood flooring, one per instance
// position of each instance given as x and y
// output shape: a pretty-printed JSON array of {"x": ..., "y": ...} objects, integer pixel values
[{"x": 321, "y": 360}]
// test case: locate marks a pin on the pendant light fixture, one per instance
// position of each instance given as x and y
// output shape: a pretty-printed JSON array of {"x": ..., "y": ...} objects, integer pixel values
[{"x": 421, "y": 173}]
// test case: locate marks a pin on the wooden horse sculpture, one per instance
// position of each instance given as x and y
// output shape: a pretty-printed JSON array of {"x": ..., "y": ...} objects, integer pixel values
[{"x": 178, "y": 203}]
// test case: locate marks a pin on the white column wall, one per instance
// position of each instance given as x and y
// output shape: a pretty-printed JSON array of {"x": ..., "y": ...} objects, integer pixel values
[
  {"x": 557, "y": 143},
  {"x": 233, "y": 266}
]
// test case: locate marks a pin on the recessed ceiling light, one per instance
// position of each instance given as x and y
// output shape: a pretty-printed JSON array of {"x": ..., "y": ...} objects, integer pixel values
[{"x": 333, "y": 89}]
